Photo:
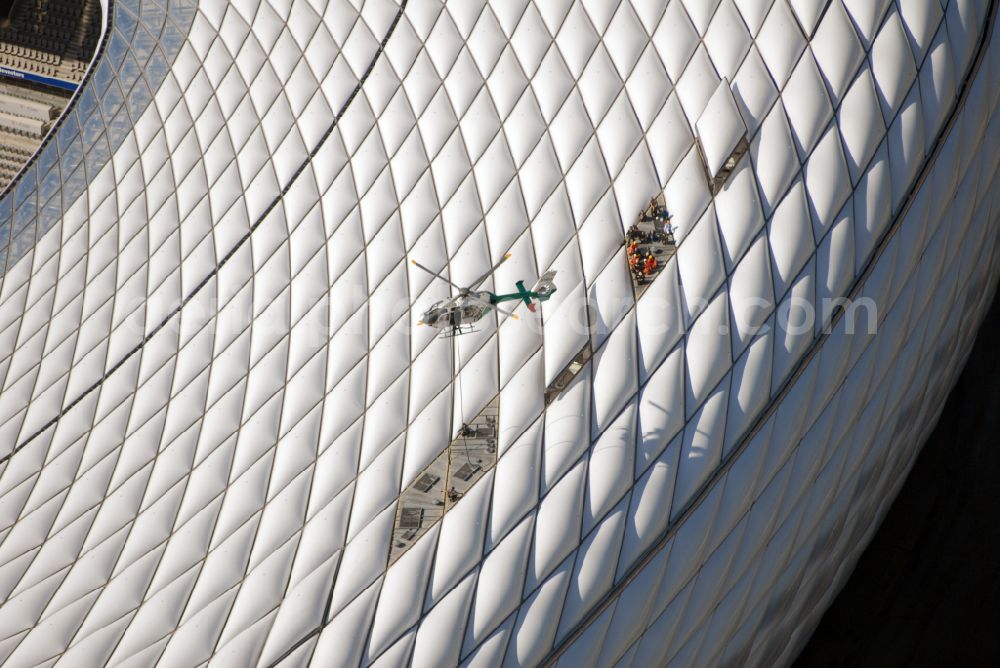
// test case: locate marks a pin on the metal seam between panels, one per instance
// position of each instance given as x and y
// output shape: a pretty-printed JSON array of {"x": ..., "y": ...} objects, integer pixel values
[
  {"x": 775, "y": 402},
  {"x": 239, "y": 244}
]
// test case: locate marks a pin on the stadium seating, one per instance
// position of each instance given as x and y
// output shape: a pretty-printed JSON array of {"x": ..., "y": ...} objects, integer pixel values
[
  {"x": 53, "y": 38},
  {"x": 20, "y": 105},
  {"x": 14, "y": 153},
  {"x": 49, "y": 38}
]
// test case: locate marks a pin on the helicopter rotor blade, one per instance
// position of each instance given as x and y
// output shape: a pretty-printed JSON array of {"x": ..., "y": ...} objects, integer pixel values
[
  {"x": 436, "y": 275},
  {"x": 507, "y": 313},
  {"x": 476, "y": 283}
]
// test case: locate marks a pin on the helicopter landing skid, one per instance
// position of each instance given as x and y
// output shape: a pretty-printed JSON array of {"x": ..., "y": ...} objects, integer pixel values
[{"x": 457, "y": 331}]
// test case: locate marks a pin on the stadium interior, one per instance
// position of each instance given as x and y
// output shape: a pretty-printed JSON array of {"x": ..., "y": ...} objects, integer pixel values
[{"x": 45, "y": 46}]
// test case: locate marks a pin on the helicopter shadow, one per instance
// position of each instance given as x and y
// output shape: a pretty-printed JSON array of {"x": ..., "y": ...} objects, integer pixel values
[{"x": 653, "y": 442}]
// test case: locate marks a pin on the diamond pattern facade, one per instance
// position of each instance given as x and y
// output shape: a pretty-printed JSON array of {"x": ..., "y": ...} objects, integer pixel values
[{"x": 215, "y": 395}]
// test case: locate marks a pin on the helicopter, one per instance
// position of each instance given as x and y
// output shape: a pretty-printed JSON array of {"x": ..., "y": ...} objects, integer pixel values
[{"x": 457, "y": 315}]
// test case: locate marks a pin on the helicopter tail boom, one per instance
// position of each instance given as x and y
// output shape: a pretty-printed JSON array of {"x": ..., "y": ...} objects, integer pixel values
[{"x": 540, "y": 292}]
